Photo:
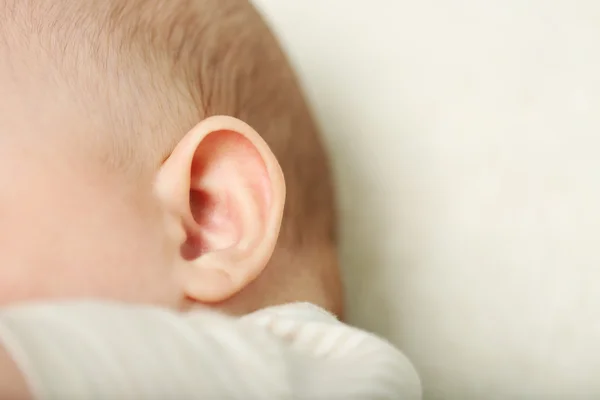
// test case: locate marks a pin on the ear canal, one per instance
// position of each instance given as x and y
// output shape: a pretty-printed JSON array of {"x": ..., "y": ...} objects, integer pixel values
[{"x": 229, "y": 193}]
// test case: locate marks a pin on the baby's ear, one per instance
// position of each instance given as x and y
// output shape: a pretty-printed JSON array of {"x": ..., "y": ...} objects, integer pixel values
[{"x": 226, "y": 190}]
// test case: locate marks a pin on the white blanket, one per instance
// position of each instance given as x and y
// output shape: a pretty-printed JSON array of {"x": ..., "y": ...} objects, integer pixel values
[{"x": 101, "y": 351}]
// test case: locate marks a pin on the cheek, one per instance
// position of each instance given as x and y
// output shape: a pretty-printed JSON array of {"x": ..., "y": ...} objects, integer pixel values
[{"x": 74, "y": 246}]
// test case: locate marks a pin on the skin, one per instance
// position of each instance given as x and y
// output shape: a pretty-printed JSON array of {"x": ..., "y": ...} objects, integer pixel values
[
  {"x": 12, "y": 382},
  {"x": 205, "y": 228},
  {"x": 194, "y": 230},
  {"x": 197, "y": 233},
  {"x": 73, "y": 227}
]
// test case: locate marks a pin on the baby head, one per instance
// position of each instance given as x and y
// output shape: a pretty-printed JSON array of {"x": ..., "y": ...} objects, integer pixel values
[{"x": 128, "y": 174}]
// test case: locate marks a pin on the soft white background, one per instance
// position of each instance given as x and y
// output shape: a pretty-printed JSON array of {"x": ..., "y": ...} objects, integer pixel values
[{"x": 465, "y": 137}]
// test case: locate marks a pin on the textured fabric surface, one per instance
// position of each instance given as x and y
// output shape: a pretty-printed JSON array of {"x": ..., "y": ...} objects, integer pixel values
[{"x": 99, "y": 351}]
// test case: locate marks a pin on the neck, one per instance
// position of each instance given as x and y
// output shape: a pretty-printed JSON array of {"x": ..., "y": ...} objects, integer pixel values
[{"x": 311, "y": 277}]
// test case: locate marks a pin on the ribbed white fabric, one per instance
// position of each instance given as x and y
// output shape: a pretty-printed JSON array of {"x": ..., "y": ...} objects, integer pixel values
[{"x": 105, "y": 351}]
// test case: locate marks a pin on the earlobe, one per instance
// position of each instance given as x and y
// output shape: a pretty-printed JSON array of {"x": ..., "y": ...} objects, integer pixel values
[{"x": 226, "y": 190}]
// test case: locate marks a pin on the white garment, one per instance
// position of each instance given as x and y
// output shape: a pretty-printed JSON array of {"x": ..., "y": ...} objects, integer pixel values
[{"x": 108, "y": 351}]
